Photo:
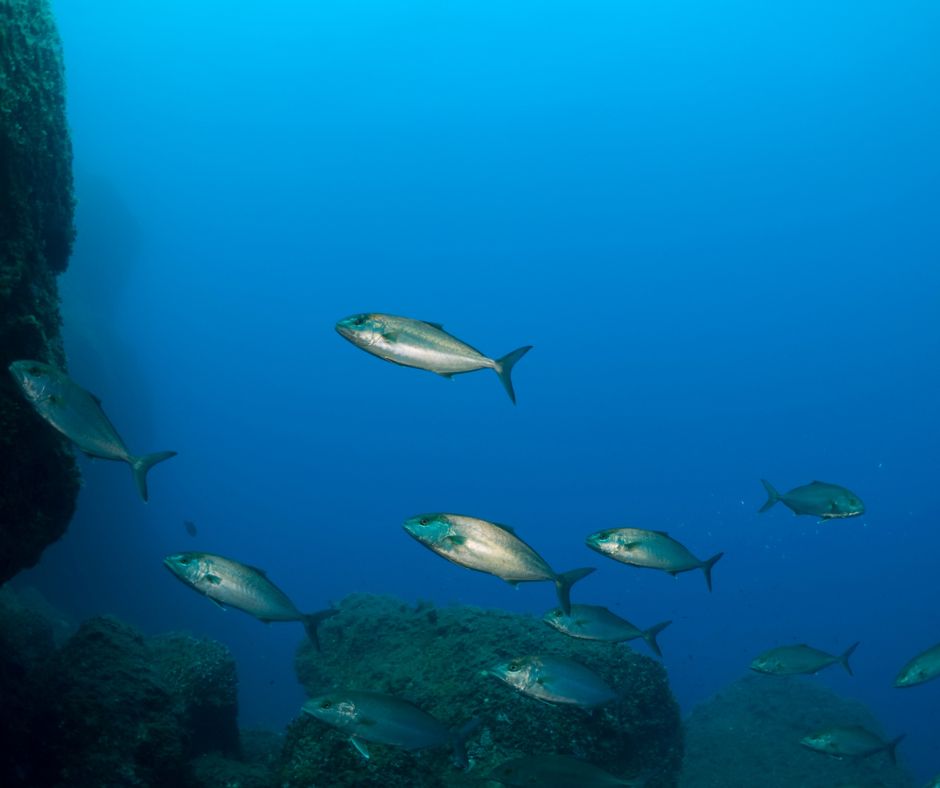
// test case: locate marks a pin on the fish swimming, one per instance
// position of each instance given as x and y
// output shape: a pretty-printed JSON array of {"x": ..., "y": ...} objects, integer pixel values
[
  {"x": 801, "y": 659},
  {"x": 424, "y": 345},
  {"x": 190, "y": 527},
  {"x": 491, "y": 548},
  {"x": 385, "y": 719},
  {"x": 593, "y": 622},
  {"x": 923, "y": 667},
  {"x": 554, "y": 771},
  {"x": 229, "y": 583},
  {"x": 819, "y": 499},
  {"x": 650, "y": 549},
  {"x": 852, "y": 741},
  {"x": 555, "y": 680},
  {"x": 77, "y": 414}
]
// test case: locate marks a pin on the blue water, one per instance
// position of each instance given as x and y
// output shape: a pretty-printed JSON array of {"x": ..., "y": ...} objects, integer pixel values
[{"x": 716, "y": 223}]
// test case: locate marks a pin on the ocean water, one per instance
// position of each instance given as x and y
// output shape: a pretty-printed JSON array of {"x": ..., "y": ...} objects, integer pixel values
[{"x": 716, "y": 223}]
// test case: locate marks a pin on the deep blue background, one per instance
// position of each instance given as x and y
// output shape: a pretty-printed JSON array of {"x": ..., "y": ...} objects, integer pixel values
[{"x": 717, "y": 223}]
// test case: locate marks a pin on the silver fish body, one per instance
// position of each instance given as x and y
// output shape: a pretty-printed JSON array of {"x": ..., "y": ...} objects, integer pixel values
[
  {"x": 423, "y": 345},
  {"x": 799, "y": 659},
  {"x": 230, "y": 583},
  {"x": 77, "y": 414},
  {"x": 924, "y": 667},
  {"x": 593, "y": 622},
  {"x": 819, "y": 499},
  {"x": 555, "y": 680},
  {"x": 385, "y": 719},
  {"x": 491, "y": 548},
  {"x": 650, "y": 549},
  {"x": 852, "y": 741}
]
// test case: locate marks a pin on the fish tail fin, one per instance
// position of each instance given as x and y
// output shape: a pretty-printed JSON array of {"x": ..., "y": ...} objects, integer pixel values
[
  {"x": 140, "y": 466},
  {"x": 459, "y": 740},
  {"x": 312, "y": 621},
  {"x": 650, "y": 634},
  {"x": 772, "y": 496},
  {"x": 707, "y": 568},
  {"x": 503, "y": 367},
  {"x": 563, "y": 583},
  {"x": 844, "y": 658},
  {"x": 892, "y": 746}
]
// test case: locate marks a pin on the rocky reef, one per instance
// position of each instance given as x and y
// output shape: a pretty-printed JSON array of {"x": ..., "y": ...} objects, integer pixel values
[
  {"x": 110, "y": 707},
  {"x": 38, "y": 476},
  {"x": 436, "y": 658},
  {"x": 749, "y": 735}
]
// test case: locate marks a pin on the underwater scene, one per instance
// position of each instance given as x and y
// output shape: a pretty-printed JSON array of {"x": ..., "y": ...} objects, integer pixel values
[{"x": 448, "y": 393}]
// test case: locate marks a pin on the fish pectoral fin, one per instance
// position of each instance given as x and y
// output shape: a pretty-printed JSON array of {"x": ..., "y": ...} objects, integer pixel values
[
  {"x": 360, "y": 747},
  {"x": 455, "y": 539},
  {"x": 214, "y": 579},
  {"x": 390, "y": 336}
]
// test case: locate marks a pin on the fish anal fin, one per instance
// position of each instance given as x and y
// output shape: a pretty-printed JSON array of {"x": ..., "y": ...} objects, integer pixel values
[
  {"x": 360, "y": 747},
  {"x": 218, "y": 604}
]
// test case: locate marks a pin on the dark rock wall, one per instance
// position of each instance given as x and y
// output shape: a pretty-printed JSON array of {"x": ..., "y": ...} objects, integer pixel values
[{"x": 38, "y": 477}]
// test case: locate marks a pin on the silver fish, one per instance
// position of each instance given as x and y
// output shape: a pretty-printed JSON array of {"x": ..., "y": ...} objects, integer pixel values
[
  {"x": 555, "y": 771},
  {"x": 593, "y": 622},
  {"x": 424, "y": 345},
  {"x": 229, "y": 583},
  {"x": 77, "y": 414},
  {"x": 385, "y": 719},
  {"x": 555, "y": 680},
  {"x": 852, "y": 741},
  {"x": 923, "y": 667},
  {"x": 491, "y": 548},
  {"x": 650, "y": 549},
  {"x": 800, "y": 659},
  {"x": 819, "y": 499}
]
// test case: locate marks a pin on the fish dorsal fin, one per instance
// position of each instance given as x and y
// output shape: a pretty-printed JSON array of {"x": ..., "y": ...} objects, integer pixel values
[
  {"x": 258, "y": 570},
  {"x": 95, "y": 397},
  {"x": 662, "y": 533},
  {"x": 506, "y": 528},
  {"x": 824, "y": 484},
  {"x": 438, "y": 326}
]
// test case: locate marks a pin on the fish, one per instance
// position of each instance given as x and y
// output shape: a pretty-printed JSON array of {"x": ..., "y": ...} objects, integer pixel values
[
  {"x": 554, "y": 680},
  {"x": 819, "y": 499},
  {"x": 593, "y": 622},
  {"x": 852, "y": 741},
  {"x": 190, "y": 527},
  {"x": 923, "y": 667},
  {"x": 800, "y": 659},
  {"x": 424, "y": 345},
  {"x": 229, "y": 583},
  {"x": 554, "y": 771},
  {"x": 934, "y": 783},
  {"x": 386, "y": 719},
  {"x": 650, "y": 549},
  {"x": 77, "y": 414},
  {"x": 491, "y": 548}
]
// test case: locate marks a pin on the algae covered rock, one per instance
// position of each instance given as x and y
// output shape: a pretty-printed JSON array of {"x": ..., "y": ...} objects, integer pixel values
[
  {"x": 38, "y": 477},
  {"x": 749, "y": 735},
  {"x": 436, "y": 658}
]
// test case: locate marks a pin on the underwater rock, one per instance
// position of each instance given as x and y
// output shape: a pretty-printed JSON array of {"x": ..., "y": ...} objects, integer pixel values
[
  {"x": 39, "y": 479},
  {"x": 435, "y": 657},
  {"x": 749, "y": 734}
]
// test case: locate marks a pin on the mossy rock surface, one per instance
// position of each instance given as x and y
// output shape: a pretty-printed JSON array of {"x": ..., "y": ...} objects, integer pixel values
[
  {"x": 436, "y": 658},
  {"x": 749, "y": 735},
  {"x": 39, "y": 479}
]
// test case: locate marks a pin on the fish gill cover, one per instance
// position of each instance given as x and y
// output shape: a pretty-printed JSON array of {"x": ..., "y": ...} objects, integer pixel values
[{"x": 715, "y": 223}]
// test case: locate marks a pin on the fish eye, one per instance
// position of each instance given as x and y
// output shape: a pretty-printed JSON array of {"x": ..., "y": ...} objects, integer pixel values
[
  {"x": 514, "y": 666},
  {"x": 186, "y": 561},
  {"x": 360, "y": 320},
  {"x": 424, "y": 521},
  {"x": 327, "y": 704}
]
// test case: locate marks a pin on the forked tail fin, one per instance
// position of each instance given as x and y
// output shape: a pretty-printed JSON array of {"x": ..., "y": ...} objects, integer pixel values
[
  {"x": 140, "y": 466},
  {"x": 892, "y": 746},
  {"x": 504, "y": 365},
  {"x": 772, "y": 496},
  {"x": 312, "y": 622},
  {"x": 459, "y": 741},
  {"x": 844, "y": 659},
  {"x": 563, "y": 583},
  {"x": 650, "y": 634},
  {"x": 707, "y": 568}
]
